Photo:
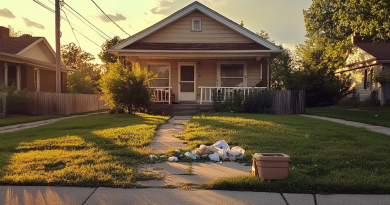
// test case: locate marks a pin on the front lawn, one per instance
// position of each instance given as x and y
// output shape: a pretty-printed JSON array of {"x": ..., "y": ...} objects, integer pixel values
[
  {"x": 326, "y": 157},
  {"x": 375, "y": 116},
  {"x": 96, "y": 150}
]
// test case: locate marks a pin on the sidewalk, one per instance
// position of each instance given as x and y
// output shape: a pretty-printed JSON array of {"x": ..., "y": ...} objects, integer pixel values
[
  {"x": 22, "y": 126},
  {"x": 374, "y": 128},
  {"x": 14, "y": 195}
]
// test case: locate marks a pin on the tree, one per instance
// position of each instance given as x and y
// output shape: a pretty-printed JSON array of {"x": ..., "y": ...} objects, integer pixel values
[
  {"x": 13, "y": 33},
  {"x": 86, "y": 79},
  {"x": 127, "y": 89},
  {"x": 105, "y": 56}
]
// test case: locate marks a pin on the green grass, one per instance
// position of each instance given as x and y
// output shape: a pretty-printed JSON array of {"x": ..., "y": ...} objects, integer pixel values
[
  {"x": 14, "y": 121},
  {"x": 378, "y": 116},
  {"x": 96, "y": 150},
  {"x": 326, "y": 157}
]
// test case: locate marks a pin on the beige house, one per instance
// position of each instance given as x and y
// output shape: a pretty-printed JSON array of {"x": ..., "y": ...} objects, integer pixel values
[
  {"x": 365, "y": 61},
  {"x": 196, "y": 50}
]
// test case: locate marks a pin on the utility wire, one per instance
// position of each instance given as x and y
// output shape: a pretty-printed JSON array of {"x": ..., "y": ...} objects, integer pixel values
[
  {"x": 87, "y": 38},
  {"x": 72, "y": 29},
  {"x": 48, "y": 8},
  {"x": 110, "y": 18},
  {"x": 86, "y": 20}
]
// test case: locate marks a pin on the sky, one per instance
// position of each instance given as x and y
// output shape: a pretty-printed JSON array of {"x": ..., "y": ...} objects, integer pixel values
[{"x": 281, "y": 19}]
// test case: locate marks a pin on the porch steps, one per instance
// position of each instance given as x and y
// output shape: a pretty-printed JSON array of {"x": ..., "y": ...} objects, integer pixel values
[{"x": 187, "y": 109}]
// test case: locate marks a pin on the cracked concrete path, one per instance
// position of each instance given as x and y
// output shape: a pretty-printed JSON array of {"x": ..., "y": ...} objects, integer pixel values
[
  {"x": 22, "y": 126},
  {"x": 18, "y": 195},
  {"x": 374, "y": 128},
  {"x": 164, "y": 138}
]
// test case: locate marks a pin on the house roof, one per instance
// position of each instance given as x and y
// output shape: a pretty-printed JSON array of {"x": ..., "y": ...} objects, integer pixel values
[
  {"x": 381, "y": 51},
  {"x": 196, "y": 46},
  {"x": 205, "y": 10},
  {"x": 13, "y": 45}
]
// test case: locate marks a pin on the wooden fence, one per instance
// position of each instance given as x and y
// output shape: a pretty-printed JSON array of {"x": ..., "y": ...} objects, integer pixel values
[
  {"x": 43, "y": 103},
  {"x": 287, "y": 102}
]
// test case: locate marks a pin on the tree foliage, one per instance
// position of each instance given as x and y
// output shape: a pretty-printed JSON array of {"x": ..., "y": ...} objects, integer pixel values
[
  {"x": 17, "y": 101},
  {"x": 86, "y": 79},
  {"x": 105, "y": 56},
  {"x": 127, "y": 89},
  {"x": 13, "y": 33}
]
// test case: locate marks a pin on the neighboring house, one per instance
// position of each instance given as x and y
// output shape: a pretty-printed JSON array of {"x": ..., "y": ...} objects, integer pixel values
[
  {"x": 195, "y": 50},
  {"x": 29, "y": 62},
  {"x": 363, "y": 64}
]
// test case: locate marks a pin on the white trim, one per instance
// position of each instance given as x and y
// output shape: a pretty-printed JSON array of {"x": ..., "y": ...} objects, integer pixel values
[
  {"x": 245, "y": 76},
  {"x": 192, "y": 51},
  {"x": 6, "y": 73},
  {"x": 178, "y": 79},
  {"x": 18, "y": 77},
  {"x": 30, "y": 46},
  {"x": 38, "y": 88},
  {"x": 161, "y": 63},
  {"x": 207, "y": 11},
  {"x": 192, "y": 25}
]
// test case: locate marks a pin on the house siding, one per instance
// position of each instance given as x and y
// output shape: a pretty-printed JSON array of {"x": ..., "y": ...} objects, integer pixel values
[
  {"x": 180, "y": 32},
  {"x": 48, "y": 80},
  {"x": 206, "y": 73}
]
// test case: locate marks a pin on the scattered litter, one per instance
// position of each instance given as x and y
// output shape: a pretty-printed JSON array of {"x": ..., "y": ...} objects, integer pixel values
[
  {"x": 376, "y": 115},
  {"x": 214, "y": 157},
  {"x": 181, "y": 155},
  {"x": 193, "y": 156},
  {"x": 205, "y": 155},
  {"x": 152, "y": 156},
  {"x": 221, "y": 144},
  {"x": 162, "y": 156},
  {"x": 238, "y": 152},
  {"x": 178, "y": 150},
  {"x": 173, "y": 159}
]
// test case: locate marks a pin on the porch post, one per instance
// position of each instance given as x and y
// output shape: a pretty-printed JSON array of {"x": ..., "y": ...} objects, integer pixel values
[
  {"x": 6, "y": 73},
  {"x": 18, "y": 77}
]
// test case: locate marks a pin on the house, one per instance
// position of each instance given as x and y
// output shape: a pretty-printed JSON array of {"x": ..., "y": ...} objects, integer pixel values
[
  {"x": 29, "y": 63},
  {"x": 196, "y": 50},
  {"x": 365, "y": 61}
]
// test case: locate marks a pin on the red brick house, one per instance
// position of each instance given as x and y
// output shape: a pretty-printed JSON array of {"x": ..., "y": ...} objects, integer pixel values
[
  {"x": 29, "y": 62},
  {"x": 196, "y": 50}
]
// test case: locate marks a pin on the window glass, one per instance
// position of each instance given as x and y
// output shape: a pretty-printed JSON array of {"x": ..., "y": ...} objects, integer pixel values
[
  {"x": 232, "y": 75},
  {"x": 162, "y": 79}
]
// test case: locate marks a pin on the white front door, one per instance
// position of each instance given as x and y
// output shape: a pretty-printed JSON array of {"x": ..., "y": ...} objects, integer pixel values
[{"x": 187, "y": 81}]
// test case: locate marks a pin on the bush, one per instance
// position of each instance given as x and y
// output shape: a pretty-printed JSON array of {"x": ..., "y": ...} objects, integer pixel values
[
  {"x": 383, "y": 78},
  {"x": 16, "y": 100},
  {"x": 127, "y": 89},
  {"x": 353, "y": 102},
  {"x": 258, "y": 101}
]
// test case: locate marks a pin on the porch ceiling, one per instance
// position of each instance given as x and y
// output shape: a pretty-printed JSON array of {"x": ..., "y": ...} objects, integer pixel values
[{"x": 189, "y": 58}]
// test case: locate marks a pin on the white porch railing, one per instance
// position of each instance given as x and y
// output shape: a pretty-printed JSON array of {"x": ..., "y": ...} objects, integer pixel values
[
  {"x": 206, "y": 93},
  {"x": 162, "y": 94}
]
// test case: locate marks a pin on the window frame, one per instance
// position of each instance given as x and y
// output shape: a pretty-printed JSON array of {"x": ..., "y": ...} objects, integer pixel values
[
  {"x": 200, "y": 24},
  {"x": 37, "y": 79},
  {"x": 244, "y": 77},
  {"x": 161, "y": 63}
]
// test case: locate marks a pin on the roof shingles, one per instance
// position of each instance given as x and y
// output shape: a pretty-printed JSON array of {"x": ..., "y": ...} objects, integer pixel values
[
  {"x": 381, "y": 51},
  {"x": 14, "y": 45}
]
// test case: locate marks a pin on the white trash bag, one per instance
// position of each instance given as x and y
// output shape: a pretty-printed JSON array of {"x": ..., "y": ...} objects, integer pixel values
[
  {"x": 225, "y": 155},
  {"x": 214, "y": 157},
  {"x": 238, "y": 152},
  {"x": 221, "y": 144}
]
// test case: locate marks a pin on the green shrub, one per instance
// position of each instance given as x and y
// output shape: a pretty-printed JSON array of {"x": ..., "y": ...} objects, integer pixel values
[
  {"x": 382, "y": 77},
  {"x": 259, "y": 101},
  {"x": 127, "y": 89},
  {"x": 17, "y": 101}
]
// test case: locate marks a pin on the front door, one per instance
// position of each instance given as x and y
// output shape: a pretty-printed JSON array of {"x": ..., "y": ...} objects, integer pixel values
[{"x": 187, "y": 82}]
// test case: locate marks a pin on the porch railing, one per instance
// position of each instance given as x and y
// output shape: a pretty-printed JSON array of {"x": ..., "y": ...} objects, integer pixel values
[
  {"x": 206, "y": 93},
  {"x": 162, "y": 94}
]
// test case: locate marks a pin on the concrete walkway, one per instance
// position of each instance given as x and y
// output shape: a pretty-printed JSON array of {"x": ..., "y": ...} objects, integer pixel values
[
  {"x": 17, "y": 127},
  {"x": 164, "y": 138},
  {"x": 374, "y": 128},
  {"x": 18, "y": 195}
]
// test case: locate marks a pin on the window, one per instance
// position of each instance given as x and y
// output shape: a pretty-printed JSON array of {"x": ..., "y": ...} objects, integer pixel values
[
  {"x": 232, "y": 75},
  {"x": 196, "y": 24},
  {"x": 365, "y": 79},
  {"x": 36, "y": 79},
  {"x": 162, "y": 71}
]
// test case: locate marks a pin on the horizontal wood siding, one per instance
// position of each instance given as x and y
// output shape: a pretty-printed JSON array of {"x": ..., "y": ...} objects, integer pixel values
[
  {"x": 43, "y": 103},
  {"x": 212, "y": 32}
]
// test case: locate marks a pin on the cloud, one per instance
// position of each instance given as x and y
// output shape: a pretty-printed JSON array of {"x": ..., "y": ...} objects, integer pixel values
[
  {"x": 6, "y": 13},
  {"x": 115, "y": 17},
  {"x": 32, "y": 24}
]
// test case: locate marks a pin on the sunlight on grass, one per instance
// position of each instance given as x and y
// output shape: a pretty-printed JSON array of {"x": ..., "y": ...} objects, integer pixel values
[{"x": 65, "y": 161}]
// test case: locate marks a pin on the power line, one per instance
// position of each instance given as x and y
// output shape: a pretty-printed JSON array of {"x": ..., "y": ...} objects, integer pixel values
[
  {"x": 48, "y": 8},
  {"x": 87, "y": 21},
  {"x": 110, "y": 18},
  {"x": 72, "y": 28},
  {"x": 87, "y": 38}
]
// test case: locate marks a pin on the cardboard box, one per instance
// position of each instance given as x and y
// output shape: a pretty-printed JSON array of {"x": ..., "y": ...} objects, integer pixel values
[{"x": 270, "y": 165}]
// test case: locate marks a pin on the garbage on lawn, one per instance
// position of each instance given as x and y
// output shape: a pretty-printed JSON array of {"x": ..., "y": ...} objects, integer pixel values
[
  {"x": 152, "y": 156},
  {"x": 218, "y": 151},
  {"x": 162, "y": 156},
  {"x": 172, "y": 159}
]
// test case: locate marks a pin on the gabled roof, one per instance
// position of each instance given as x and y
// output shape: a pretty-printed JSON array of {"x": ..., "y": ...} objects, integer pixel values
[
  {"x": 205, "y": 10},
  {"x": 13, "y": 45},
  {"x": 381, "y": 51}
]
